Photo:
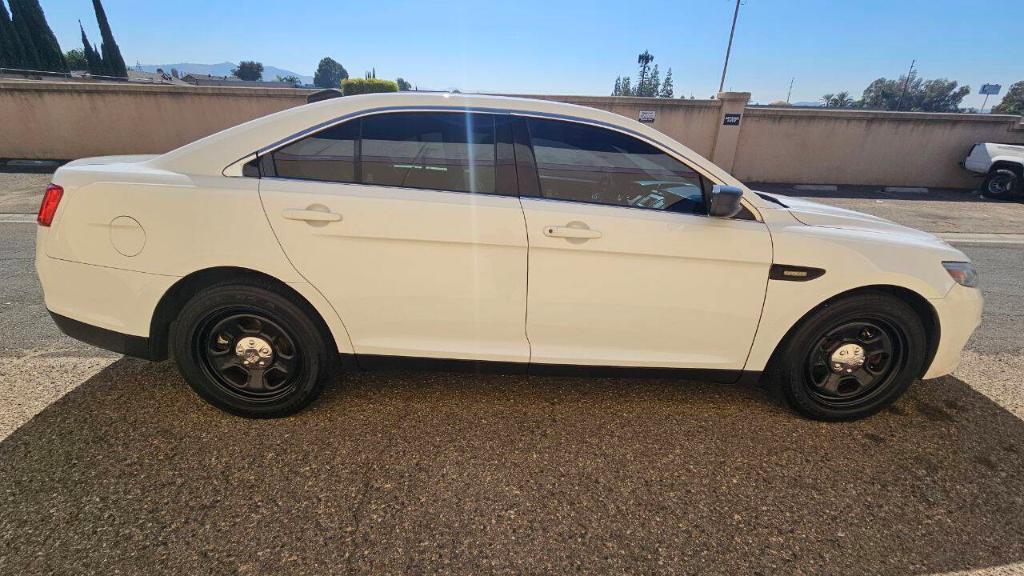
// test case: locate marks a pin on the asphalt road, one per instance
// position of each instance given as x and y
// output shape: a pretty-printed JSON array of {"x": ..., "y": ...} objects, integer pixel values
[{"x": 462, "y": 473}]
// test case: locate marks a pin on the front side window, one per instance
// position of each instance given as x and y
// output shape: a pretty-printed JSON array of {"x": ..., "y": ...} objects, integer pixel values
[
  {"x": 449, "y": 151},
  {"x": 328, "y": 155},
  {"x": 583, "y": 163}
]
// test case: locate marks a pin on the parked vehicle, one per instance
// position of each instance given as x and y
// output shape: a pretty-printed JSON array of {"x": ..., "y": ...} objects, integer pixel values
[
  {"x": 1003, "y": 167},
  {"x": 527, "y": 235}
]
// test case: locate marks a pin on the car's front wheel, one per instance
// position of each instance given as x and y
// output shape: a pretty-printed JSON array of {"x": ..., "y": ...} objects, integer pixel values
[
  {"x": 1001, "y": 184},
  {"x": 852, "y": 357},
  {"x": 250, "y": 350}
]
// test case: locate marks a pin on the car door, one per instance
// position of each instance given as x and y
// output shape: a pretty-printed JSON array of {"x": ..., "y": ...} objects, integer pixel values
[
  {"x": 626, "y": 268},
  {"x": 409, "y": 224}
]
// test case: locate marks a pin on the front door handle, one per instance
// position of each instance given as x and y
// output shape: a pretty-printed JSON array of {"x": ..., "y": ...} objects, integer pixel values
[
  {"x": 571, "y": 232},
  {"x": 311, "y": 215}
]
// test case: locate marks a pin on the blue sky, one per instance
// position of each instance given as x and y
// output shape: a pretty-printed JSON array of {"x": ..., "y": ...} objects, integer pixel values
[{"x": 555, "y": 47}]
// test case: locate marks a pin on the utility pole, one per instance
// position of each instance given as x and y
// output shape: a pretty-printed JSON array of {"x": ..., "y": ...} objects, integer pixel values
[
  {"x": 899, "y": 103},
  {"x": 728, "y": 50},
  {"x": 790, "y": 93}
]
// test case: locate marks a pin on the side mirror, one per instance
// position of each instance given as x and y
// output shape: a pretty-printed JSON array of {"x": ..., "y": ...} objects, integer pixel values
[{"x": 725, "y": 201}]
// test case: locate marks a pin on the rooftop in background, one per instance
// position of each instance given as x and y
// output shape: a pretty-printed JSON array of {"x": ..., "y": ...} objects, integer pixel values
[{"x": 208, "y": 80}]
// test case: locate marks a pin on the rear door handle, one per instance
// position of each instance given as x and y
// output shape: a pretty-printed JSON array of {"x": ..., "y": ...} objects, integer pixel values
[
  {"x": 311, "y": 215},
  {"x": 571, "y": 232}
]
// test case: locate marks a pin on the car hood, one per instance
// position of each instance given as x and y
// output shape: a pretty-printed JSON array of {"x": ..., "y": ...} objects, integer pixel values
[{"x": 815, "y": 214}]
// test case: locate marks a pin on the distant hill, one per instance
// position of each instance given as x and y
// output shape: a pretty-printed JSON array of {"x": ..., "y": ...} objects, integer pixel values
[{"x": 222, "y": 69}]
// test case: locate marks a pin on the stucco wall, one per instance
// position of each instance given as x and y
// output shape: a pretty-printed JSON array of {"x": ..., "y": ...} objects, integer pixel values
[
  {"x": 861, "y": 147},
  {"x": 67, "y": 120}
]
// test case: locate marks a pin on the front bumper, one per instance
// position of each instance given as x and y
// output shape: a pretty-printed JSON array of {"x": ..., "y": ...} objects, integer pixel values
[{"x": 959, "y": 316}]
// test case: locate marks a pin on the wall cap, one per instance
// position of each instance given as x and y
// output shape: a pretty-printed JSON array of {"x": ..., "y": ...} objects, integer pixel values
[{"x": 114, "y": 88}]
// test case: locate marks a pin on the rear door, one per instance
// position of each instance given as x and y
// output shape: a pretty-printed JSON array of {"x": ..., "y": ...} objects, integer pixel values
[
  {"x": 409, "y": 224},
  {"x": 626, "y": 268}
]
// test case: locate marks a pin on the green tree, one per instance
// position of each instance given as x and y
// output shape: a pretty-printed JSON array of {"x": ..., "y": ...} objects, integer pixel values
[
  {"x": 93, "y": 60},
  {"x": 653, "y": 86},
  {"x": 667, "y": 89},
  {"x": 76, "y": 59},
  {"x": 627, "y": 90},
  {"x": 1013, "y": 102},
  {"x": 113, "y": 62},
  {"x": 329, "y": 74},
  {"x": 913, "y": 93},
  {"x": 617, "y": 89},
  {"x": 290, "y": 79},
  {"x": 403, "y": 84},
  {"x": 838, "y": 100},
  {"x": 12, "y": 55},
  {"x": 26, "y": 30},
  {"x": 248, "y": 70}
]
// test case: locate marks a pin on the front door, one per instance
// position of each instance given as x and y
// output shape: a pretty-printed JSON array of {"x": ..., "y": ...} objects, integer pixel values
[
  {"x": 408, "y": 223},
  {"x": 626, "y": 268}
]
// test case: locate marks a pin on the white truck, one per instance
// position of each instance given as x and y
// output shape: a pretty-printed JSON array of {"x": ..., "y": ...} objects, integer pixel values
[{"x": 1003, "y": 168}]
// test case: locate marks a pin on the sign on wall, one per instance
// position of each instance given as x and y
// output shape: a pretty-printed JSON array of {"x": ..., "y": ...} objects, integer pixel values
[
  {"x": 731, "y": 120},
  {"x": 647, "y": 115}
]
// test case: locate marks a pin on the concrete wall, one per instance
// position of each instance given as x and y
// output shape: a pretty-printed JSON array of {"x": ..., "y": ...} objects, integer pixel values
[
  {"x": 810, "y": 146},
  {"x": 66, "y": 120}
]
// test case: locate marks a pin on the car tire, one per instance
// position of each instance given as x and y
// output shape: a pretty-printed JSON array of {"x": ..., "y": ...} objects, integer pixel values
[
  {"x": 851, "y": 357},
  {"x": 249, "y": 349},
  {"x": 1001, "y": 184}
]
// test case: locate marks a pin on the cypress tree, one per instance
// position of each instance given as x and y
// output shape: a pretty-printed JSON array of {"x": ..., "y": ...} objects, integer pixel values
[
  {"x": 113, "y": 63},
  {"x": 11, "y": 53},
  {"x": 24, "y": 34},
  {"x": 94, "y": 64},
  {"x": 30, "y": 21}
]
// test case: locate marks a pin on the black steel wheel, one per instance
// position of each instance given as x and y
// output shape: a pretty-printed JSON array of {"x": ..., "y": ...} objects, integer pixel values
[
  {"x": 854, "y": 361},
  {"x": 248, "y": 354},
  {"x": 252, "y": 349},
  {"x": 852, "y": 357}
]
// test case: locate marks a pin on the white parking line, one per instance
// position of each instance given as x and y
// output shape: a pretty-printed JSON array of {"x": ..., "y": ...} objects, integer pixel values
[
  {"x": 17, "y": 218},
  {"x": 969, "y": 238}
]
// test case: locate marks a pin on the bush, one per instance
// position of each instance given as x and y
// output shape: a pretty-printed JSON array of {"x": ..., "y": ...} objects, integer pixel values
[{"x": 352, "y": 86}]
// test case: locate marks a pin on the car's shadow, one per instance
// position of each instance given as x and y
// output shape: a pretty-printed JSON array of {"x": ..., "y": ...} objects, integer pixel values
[{"x": 415, "y": 473}]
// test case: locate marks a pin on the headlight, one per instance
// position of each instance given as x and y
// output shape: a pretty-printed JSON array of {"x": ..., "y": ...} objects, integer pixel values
[{"x": 963, "y": 273}]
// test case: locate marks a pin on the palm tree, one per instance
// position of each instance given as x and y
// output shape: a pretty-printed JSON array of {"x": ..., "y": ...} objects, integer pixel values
[{"x": 827, "y": 99}]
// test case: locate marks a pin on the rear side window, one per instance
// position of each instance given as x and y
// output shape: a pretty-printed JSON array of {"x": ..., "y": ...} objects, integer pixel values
[
  {"x": 436, "y": 151},
  {"x": 583, "y": 163},
  {"x": 452, "y": 151}
]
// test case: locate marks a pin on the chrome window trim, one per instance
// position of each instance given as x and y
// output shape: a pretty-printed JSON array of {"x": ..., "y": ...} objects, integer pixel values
[{"x": 270, "y": 148}]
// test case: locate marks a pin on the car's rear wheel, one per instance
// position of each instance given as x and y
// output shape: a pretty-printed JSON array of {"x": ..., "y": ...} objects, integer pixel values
[
  {"x": 249, "y": 350},
  {"x": 1001, "y": 184},
  {"x": 852, "y": 357}
]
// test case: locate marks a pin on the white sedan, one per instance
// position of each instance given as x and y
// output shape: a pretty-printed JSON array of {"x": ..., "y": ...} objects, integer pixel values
[{"x": 518, "y": 234}]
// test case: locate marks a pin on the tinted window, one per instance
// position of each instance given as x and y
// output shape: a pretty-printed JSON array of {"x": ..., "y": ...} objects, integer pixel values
[
  {"x": 430, "y": 150},
  {"x": 327, "y": 155},
  {"x": 588, "y": 164}
]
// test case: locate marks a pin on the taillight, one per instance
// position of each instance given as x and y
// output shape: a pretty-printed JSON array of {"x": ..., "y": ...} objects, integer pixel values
[{"x": 49, "y": 206}]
